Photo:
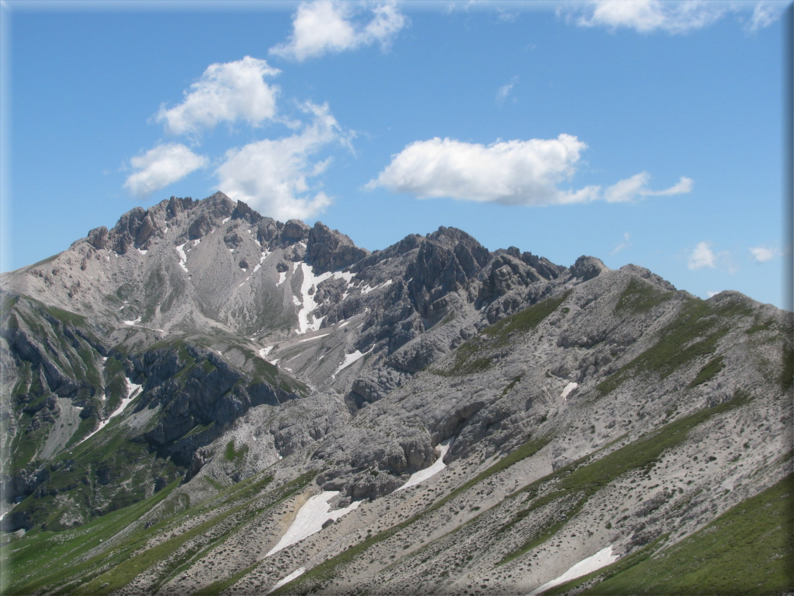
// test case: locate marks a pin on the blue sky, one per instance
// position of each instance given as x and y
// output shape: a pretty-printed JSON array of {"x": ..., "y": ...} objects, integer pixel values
[{"x": 636, "y": 131}]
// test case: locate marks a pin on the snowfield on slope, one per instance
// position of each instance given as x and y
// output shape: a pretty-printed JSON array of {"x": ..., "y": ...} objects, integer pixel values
[
  {"x": 601, "y": 559},
  {"x": 310, "y": 519},
  {"x": 430, "y": 471}
]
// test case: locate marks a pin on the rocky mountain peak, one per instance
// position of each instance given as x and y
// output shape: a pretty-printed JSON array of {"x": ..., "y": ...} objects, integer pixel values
[
  {"x": 244, "y": 212},
  {"x": 650, "y": 276},
  {"x": 587, "y": 268},
  {"x": 329, "y": 250}
]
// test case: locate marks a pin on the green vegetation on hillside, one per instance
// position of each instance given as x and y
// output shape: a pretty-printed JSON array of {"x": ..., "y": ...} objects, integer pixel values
[
  {"x": 585, "y": 479},
  {"x": 694, "y": 333},
  {"x": 56, "y": 561},
  {"x": 640, "y": 297},
  {"x": 747, "y": 550},
  {"x": 468, "y": 358}
]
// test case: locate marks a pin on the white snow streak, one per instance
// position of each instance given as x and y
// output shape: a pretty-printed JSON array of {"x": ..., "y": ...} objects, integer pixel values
[
  {"x": 143, "y": 252},
  {"x": 264, "y": 352},
  {"x": 568, "y": 388},
  {"x": 350, "y": 359},
  {"x": 307, "y": 299},
  {"x": 366, "y": 289},
  {"x": 437, "y": 466},
  {"x": 346, "y": 275},
  {"x": 281, "y": 277},
  {"x": 313, "y": 338},
  {"x": 135, "y": 322},
  {"x": 132, "y": 393},
  {"x": 601, "y": 559},
  {"x": 265, "y": 255},
  {"x": 310, "y": 519},
  {"x": 182, "y": 257},
  {"x": 225, "y": 220},
  {"x": 295, "y": 574}
]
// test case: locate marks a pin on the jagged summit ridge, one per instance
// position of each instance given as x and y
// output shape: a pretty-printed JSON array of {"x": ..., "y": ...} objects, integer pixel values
[{"x": 460, "y": 417}]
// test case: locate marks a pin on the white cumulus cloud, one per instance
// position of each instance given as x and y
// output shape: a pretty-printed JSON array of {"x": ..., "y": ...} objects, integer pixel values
[
  {"x": 273, "y": 175},
  {"x": 161, "y": 166},
  {"x": 637, "y": 186},
  {"x": 702, "y": 257},
  {"x": 762, "y": 254},
  {"x": 327, "y": 26},
  {"x": 646, "y": 16},
  {"x": 507, "y": 172},
  {"x": 227, "y": 92}
]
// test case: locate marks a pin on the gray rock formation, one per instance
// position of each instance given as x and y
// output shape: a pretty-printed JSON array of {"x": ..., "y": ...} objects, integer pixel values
[{"x": 187, "y": 380}]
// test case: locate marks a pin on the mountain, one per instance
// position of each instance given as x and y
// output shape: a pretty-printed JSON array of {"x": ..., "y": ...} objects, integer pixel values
[{"x": 205, "y": 400}]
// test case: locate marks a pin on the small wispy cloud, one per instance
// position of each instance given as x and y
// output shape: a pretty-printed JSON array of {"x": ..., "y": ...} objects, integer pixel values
[
  {"x": 702, "y": 256},
  {"x": 637, "y": 186},
  {"x": 505, "y": 90},
  {"x": 328, "y": 26},
  {"x": 623, "y": 245},
  {"x": 765, "y": 14},
  {"x": 506, "y": 16},
  {"x": 762, "y": 254},
  {"x": 161, "y": 166},
  {"x": 674, "y": 17}
]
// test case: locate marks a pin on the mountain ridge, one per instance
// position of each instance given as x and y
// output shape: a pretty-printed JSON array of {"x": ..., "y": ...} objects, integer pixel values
[{"x": 197, "y": 346}]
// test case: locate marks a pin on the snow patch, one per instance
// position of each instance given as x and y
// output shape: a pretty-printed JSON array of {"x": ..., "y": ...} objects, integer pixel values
[
  {"x": 265, "y": 351},
  {"x": 135, "y": 322},
  {"x": 143, "y": 252},
  {"x": 350, "y": 359},
  {"x": 601, "y": 559},
  {"x": 310, "y": 280},
  {"x": 313, "y": 338},
  {"x": 281, "y": 277},
  {"x": 346, "y": 275},
  {"x": 265, "y": 255},
  {"x": 295, "y": 574},
  {"x": 225, "y": 220},
  {"x": 182, "y": 256},
  {"x": 568, "y": 388},
  {"x": 437, "y": 466},
  {"x": 367, "y": 289},
  {"x": 132, "y": 392},
  {"x": 310, "y": 519}
]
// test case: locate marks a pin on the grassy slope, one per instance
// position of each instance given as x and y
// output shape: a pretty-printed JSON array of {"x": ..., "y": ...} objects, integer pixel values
[
  {"x": 747, "y": 550},
  {"x": 57, "y": 561},
  {"x": 588, "y": 478}
]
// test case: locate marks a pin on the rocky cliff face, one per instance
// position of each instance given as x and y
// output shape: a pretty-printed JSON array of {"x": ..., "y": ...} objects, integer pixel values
[{"x": 187, "y": 380}]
